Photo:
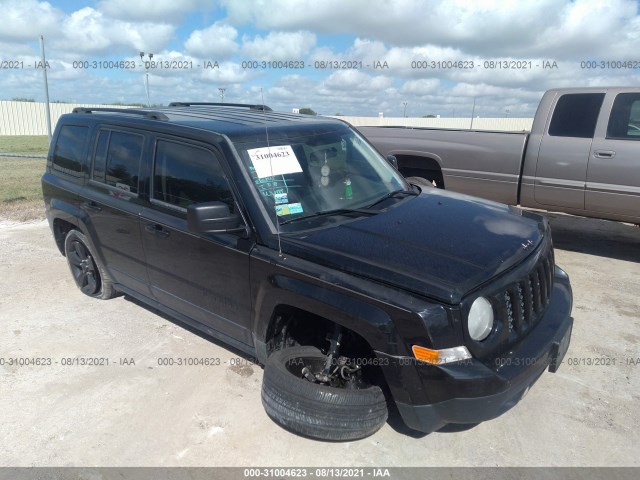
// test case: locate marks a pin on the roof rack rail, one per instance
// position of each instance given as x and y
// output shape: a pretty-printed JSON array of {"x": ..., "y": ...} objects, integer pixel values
[
  {"x": 218, "y": 104},
  {"x": 132, "y": 111}
]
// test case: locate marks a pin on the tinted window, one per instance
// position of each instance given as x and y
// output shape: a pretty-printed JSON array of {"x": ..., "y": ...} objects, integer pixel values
[
  {"x": 185, "y": 174},
  {"x": 67, "y": 156},
  {"x": 123, "y": 160},
  {"x": 624, "y": 122},
  {"x": 100, "y": 158},
  {"x": 576, "y": 115}
]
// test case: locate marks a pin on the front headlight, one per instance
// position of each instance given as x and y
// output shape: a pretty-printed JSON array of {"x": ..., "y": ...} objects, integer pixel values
[{"x": 480, "y": 321}]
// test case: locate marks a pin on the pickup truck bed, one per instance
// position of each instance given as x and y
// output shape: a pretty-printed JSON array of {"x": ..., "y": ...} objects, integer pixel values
[
  {"x": 470, "y": 163},
  {"x": 581, "y": 156}
]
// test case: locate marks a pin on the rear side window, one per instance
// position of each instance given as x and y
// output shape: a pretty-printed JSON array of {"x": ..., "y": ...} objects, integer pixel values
[
  {"x": 186, "y": 174},
  {"x": 624, "y": 122},
  {"x": 117, "y": 159},
  {"x": 576, "y": 115},
  {"x": 67, "y": 155}
]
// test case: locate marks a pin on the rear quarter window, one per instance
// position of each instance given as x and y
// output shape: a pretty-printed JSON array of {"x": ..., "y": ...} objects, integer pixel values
[
  {"x": 68, "y": 153},
  {"x": 123, "y": 160},
  {"x": 116, "y": 159},
  {"x": 576, "y": 115}
]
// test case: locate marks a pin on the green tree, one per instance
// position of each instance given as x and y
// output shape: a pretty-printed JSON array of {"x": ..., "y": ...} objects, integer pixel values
[{"x": 307, "y": 111}]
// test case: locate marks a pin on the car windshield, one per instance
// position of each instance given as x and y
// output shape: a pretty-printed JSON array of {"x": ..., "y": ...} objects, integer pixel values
[{"x": 310, "y": 173}]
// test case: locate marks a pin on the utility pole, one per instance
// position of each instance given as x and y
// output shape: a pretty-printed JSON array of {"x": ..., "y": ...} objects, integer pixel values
[
  {"x": 46, "y": 87},
  {"x": 405, "y": 109},
  {"x": 473, "y": 112},
  {"x": 146, "y": 74},
  {"x": 221, "y": 90}
]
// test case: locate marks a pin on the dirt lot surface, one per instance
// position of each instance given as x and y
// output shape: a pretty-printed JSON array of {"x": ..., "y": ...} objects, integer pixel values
[{"x": 143, "y": 414}]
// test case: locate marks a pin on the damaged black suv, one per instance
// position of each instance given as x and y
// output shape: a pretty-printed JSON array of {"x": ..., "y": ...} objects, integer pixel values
[{"x": 290, "y": 238}]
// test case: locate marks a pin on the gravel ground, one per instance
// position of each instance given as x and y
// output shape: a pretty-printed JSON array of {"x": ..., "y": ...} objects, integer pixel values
[{"x": 134, "y": 412}]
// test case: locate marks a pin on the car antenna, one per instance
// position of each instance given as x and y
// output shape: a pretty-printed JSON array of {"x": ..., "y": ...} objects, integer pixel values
[{"x": 273, "y": 183}]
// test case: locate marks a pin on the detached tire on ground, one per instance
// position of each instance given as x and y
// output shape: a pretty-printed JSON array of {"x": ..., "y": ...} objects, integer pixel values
[
  {"x": 89, "y": 275},
  {"x": 316, "y": 410}
]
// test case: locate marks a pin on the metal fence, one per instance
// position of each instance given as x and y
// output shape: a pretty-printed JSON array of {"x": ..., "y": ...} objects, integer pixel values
[
  {"x": 502, "y": 124},
  {"x": 28, "y": 118}
]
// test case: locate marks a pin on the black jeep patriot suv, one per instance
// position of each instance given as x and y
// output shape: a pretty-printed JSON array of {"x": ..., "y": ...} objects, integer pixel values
[{"x": 290, "y": 238}]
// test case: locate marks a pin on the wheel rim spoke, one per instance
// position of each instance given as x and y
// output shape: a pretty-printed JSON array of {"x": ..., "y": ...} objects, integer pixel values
[
  {"x": 74, "y": 258},
  {"x": 83, "y": 268},
  {"x": 80, "y": 250},
  {"x": 77, "y": 274},
  {"x": 91, "y": 283}
]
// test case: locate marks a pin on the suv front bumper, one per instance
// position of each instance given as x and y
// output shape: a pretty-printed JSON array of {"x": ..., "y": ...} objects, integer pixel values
[{"x": 429, "y": 397}]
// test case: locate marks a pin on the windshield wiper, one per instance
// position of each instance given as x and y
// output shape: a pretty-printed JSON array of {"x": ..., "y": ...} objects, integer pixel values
[
  {"x": 395, "y": 193},
  {"x": 337, "y": 211}
]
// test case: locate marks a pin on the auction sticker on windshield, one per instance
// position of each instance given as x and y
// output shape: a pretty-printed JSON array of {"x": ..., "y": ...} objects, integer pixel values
[
  {"x": 270, "y": 161},
  {"x": 288, "y": 209}
]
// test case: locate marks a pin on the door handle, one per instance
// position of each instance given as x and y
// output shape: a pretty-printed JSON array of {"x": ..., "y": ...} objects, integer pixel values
[
  {"x": 91, "y": 205},
  {"x": 604, "y": 154},
  {"x": 156, "y": 229}
]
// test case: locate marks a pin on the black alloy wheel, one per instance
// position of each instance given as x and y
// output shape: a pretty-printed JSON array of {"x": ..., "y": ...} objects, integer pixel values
[{"x": 90, "y": 277}]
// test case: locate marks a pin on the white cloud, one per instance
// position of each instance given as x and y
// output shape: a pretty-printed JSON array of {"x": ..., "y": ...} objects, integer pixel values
[
  {"x": 89, "y": 31},
  {"x": 489, "y": 28},
  {"x": 164, "y": 11},
  {"x": 480, "y": 90},
  {"x": 217, "y": 40},
  {"x": 355, "y": 81},
  {"x": 282, "y": 94},
  {"x": 587, "y": 29},
  {"x": 279, "y": 46},
  {"x": 401, "y": 22},
  {"x": 27, "y": 19},
  {"x": 397, "y": 33},
  {"x": 228, "y": 73},
  {"x": 421, "y": 87},
  {"x": 15, "y": 50},
  {"x": 85, "y": 30}
]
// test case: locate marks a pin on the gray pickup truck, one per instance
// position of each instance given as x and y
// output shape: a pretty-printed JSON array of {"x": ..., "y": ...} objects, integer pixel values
[{"x": 582, "y": 155}]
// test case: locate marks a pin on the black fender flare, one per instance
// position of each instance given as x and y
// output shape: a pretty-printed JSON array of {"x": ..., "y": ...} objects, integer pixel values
[
  {"x": 368, "y": 320},
  {"x": 73, "y": 214}
]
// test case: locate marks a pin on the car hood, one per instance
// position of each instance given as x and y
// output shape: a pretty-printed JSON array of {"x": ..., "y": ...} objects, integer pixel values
[{"x": 439, "y": 244}]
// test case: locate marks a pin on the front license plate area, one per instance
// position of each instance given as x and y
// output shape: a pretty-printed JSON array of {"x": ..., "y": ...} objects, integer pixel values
[{"x": 559, "y": 350}]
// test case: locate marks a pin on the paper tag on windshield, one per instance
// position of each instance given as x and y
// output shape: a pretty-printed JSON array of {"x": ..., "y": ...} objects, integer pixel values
[{"x": 270, "y": 161}]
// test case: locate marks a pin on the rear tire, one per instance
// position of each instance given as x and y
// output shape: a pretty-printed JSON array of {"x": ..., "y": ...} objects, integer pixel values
[
  {"x": 317, "y": 410},
  {"x": 89, "y": 275}
]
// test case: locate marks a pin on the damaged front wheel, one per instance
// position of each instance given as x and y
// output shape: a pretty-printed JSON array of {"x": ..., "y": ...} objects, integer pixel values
[{"x": 299, "y": 395}]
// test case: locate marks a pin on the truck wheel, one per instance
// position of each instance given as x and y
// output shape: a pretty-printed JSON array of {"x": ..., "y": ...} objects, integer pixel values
[
  {"x": 89, "y": 275},
  {"x": 419, "y": 181},
  {"x": 317, "y": 410}
]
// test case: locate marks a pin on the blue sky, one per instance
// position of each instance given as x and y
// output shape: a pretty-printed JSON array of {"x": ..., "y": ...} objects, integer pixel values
[{"x": 436, "y": 56}]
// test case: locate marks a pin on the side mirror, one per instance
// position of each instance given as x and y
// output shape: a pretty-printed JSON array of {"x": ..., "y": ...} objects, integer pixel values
[
  {"x": 393, "y": 160},
  {"x": 212, "y": 217}
]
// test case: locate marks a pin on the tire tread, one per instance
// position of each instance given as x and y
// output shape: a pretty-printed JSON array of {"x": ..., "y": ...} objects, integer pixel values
[{"x": 315, "y": 410}]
